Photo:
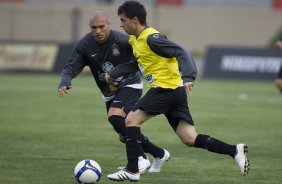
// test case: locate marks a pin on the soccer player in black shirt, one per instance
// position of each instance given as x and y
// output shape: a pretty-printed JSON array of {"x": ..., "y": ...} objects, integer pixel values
[
  {"x": 102, "y": 50},
  {"x": 160, "y": 60}
]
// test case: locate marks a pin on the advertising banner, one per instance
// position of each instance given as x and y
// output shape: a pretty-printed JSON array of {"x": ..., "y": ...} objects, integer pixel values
[
  {"x": 242, "y": 63},
  {"x": 24, "y": 56}
]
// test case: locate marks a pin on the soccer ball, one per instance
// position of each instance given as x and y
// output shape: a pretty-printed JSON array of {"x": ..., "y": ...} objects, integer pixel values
[{"x": 87, "y": 171}]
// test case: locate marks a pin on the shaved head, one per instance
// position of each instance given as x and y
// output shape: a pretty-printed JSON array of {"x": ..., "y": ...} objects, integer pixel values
[
  {"x": 98, "y": 14},
  {"x": 100, "y": 26}
]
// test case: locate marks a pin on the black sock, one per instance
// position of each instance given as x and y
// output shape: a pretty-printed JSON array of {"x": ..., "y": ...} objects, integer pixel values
[
  {"x": 133, "y": 146},
  {"x": 149, "y": 147},
  {"x": 118, "y": 123},
  {"x": 214, "y": 145}
]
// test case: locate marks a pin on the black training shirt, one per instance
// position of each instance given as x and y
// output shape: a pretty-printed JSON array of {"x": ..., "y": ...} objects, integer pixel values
[{"x": 100, "y": 58}]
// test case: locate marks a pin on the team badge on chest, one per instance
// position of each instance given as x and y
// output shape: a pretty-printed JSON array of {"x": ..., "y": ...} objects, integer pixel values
[
  {"x": 107, "y": 66},
  {"x": 115, "y": 50}
]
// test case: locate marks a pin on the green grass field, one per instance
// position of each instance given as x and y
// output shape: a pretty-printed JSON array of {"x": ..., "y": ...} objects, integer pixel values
[{"x": 43, "y": 136}]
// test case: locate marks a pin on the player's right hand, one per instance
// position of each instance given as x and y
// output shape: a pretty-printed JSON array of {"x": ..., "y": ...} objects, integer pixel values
[
  {"x": 64, "y": 90},
  {"x": 108, "y": 78}
]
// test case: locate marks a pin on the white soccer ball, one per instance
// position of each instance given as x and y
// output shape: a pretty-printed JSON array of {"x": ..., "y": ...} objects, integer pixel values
[{"x": 87, "y": 171}]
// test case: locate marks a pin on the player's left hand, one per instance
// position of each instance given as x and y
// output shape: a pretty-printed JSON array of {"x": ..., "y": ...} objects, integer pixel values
[{"x": 188, "y": 87}]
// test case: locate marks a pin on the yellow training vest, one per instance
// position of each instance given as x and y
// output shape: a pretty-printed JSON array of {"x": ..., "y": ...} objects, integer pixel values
[{"x": 158, "y": 71}]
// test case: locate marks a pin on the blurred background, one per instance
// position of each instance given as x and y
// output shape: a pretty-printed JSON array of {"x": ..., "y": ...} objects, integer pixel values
[{"x": 198, "y": 25}]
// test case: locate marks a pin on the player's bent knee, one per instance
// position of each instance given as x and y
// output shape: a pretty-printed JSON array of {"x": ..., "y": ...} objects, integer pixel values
[
  {"x": 188, "y": 143},
  {"x": 186, "y": 133},
  {"x": 131, "y": 121},
  {"x": 187, "y": 140}
]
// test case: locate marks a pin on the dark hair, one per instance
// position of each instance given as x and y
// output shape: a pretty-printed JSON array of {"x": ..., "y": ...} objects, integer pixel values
[{"x": 133, "y": 9}]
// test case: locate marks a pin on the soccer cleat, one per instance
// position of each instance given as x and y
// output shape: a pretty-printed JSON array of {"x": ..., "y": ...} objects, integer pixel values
[
  {"x": 143, "y": 165},
  {"x": 241, "y": 158},
  {"x": 158, "y": 162},
  {"x": 124, "y": 175}
]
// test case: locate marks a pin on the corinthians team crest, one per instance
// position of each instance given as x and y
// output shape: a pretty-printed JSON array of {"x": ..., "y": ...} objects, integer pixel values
[
  {"x": 115, "y": 50},
  {"x": 107, "y": 66}
]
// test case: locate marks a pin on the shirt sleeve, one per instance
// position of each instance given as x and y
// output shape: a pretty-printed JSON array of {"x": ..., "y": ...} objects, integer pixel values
[
  {"x": 74, "y": 66},
  {"x": 162, "y": 46},
  {"x": 124, "y": 69}
]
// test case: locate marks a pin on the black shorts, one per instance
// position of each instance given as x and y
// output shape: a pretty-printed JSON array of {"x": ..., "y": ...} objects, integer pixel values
[
  {"x": 280, "y": 73},
  {"x": 125, "y": 98},
  {"x": 170, "y": 102}
]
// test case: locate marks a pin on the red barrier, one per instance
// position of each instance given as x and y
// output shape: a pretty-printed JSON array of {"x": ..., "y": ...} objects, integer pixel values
[
  {"x": 170, "y": 2},
  {"x": 277, "y": 4}
]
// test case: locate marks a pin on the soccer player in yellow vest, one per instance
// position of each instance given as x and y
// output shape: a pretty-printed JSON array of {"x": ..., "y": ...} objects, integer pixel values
[{"x": 170, "y": 72}]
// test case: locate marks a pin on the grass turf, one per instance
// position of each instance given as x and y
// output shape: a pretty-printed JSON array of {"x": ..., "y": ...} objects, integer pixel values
[{"x": 43, "y": 136}]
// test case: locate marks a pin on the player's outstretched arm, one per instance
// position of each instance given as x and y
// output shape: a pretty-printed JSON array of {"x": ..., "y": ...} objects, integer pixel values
[{"x": 64, "y": 90}]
